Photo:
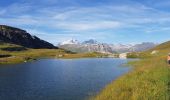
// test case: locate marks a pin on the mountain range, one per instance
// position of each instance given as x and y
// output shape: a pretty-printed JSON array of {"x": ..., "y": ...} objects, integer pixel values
[
  {"x": 95, "y": 46},
  {"x": 21, "y": 37}
]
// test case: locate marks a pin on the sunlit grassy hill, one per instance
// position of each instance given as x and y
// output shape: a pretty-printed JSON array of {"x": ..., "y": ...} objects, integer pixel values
[
  {"x": 11, "y": 53},
  {"x": 162, "y": 46},
  {"x": 150, "y": 79}
]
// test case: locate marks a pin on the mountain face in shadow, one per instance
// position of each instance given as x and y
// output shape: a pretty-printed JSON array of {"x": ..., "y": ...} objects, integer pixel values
[{"x": 18, "y": 36}]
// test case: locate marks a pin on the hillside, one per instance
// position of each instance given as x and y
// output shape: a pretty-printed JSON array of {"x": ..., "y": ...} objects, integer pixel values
[
  {"x": 163, "y": 46},
  {"x": 18, "y": 36},
  {"x": 148, "y": 81}
]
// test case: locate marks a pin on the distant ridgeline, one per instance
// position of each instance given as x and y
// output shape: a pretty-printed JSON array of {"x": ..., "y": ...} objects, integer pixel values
[{"x": 18, "y": 36}]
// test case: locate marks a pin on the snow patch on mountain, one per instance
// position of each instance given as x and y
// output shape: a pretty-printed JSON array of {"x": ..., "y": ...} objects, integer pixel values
[{"x": 70, "y": 41}]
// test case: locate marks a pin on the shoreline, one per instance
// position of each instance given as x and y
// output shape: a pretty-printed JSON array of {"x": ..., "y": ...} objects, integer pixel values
[
  {"x": 27, "y": 54},
  {"x": 20, "y": 59},
  {"x": 64, "y": 58}
]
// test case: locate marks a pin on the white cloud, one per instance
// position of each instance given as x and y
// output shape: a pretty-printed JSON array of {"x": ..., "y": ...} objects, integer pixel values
[
  {"x": 86, "y": 18},
  {"x": 78, "y": 21},
  {"x": 87, "y": 26}
]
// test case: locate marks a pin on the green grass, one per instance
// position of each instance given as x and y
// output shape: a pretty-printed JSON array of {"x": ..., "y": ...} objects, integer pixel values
[
  {"x": 21, "y": 55},
  {"x": 150, "y": 79}
]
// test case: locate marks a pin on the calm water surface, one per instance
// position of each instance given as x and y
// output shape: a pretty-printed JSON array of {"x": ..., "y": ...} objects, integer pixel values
[{"x": 54, "y": 79}]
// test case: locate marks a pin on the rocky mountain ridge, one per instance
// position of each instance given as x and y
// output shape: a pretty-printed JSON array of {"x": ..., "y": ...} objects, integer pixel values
[
  {"x": 94, "y": 46},
  {"x": 18, "y": 36}
]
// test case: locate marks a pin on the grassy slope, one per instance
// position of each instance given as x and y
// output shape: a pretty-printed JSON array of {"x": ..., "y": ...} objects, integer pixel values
[
  {"x": 30, "y": 54},
  {"x": 150, "y": 79}
]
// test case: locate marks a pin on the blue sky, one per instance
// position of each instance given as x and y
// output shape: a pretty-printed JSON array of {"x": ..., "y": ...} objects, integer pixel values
[{"x": 109, "y": 21}]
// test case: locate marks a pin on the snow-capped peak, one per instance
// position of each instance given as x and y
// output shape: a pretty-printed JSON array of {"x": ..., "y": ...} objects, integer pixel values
[{"x": 71, "y": 41}]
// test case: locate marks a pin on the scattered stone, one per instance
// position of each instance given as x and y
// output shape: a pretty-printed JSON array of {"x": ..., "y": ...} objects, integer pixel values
[
  {"x": 154, "y": 52},
  {"x": 60, "y": 55},
  {"x": 123, "y": 55}
]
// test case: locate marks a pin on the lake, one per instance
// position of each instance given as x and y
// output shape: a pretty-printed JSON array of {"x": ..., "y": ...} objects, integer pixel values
[{"x": 59, "y": 79}]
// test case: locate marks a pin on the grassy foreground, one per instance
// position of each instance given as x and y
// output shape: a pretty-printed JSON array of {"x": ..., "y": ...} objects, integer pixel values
[
  {"x": 150, "y": 79},
  {"x": 10, "y": 53}
]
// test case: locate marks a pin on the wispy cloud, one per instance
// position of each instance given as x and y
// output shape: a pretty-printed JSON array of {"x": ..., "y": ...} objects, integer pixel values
[
  {"x": 68, "y": 18},
  {"x": 88, "y": 26}
]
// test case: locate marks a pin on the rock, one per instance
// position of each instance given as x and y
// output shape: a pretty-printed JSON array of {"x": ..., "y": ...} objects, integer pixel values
[
  {"x": 123, "y": 55},
  {"x": 60, "y": 55},
  {"x": 91, "y": 41},
  {"x": 154, "y": 52}
]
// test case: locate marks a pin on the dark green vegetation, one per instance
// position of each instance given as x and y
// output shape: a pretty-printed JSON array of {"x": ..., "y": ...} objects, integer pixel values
[
  {"x": 11, "y": 53},
  {"x": 150, "y": 79}
]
